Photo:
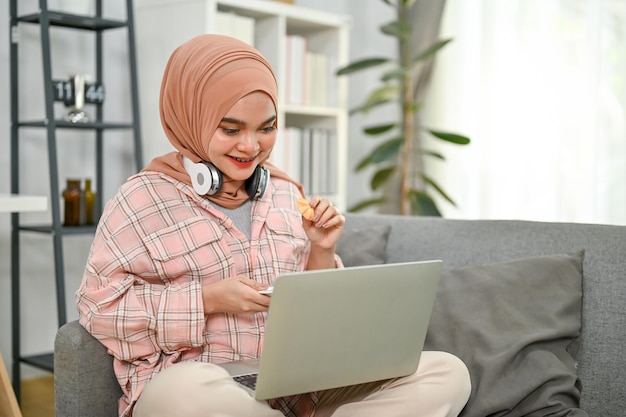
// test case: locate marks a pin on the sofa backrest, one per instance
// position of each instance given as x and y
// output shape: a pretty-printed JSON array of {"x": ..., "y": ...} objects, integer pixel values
[{"x": 601, "y": 357}]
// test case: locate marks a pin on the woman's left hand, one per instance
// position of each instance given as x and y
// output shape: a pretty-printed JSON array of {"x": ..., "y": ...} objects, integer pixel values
[{"x": 325, "y": 229}]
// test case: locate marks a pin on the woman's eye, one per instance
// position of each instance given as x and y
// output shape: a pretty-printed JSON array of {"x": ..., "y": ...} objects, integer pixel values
[
  {"x": 231, "y": 132},
  {"x": 269, "y": 129}
]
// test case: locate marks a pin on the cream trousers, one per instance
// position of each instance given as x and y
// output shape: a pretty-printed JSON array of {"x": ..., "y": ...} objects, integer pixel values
[{"x": 440, "y": 387}]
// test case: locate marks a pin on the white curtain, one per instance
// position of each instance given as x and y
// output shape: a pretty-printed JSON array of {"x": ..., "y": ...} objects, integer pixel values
[{"x": 540, "y": 87}]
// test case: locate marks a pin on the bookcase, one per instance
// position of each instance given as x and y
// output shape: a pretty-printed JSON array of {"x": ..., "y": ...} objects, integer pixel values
[{"x": 304, "y": 47}]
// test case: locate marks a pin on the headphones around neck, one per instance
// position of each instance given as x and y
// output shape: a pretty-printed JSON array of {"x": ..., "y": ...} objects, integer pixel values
[{"x": 206, "y": 179}]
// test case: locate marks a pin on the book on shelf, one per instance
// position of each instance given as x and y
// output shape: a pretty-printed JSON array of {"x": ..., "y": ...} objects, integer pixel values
[
  {"x": 321, "y": 80},
  {"x": 296, "y": 69},
  {"x": 237, "y": 26},
  {"x": 319, "y": 161},
  {"x": 332, "y": 163},
  {"x": 331, "y": 81},
  {"x": 309, "y": 155},
  {"x": 310, "y": 76},
  {"x": 310, "y": 80},
  {"x": 286, "y": 152},
  {"x": 305, "y": 160},
  {"x": 316, "y": 79}
]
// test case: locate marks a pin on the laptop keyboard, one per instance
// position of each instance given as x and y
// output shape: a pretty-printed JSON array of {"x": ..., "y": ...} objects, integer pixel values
[{"x": 247, "y": 380}]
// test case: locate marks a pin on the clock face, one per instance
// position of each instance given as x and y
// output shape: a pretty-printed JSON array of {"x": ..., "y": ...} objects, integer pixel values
[{"x": 66, "y": 90}]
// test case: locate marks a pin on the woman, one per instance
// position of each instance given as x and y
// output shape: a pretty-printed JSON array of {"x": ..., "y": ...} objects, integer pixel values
[{"x": 172, "y": 282}]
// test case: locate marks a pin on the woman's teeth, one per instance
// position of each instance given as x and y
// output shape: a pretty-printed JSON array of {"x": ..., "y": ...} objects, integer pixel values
[{"x": 242, "y": 160}]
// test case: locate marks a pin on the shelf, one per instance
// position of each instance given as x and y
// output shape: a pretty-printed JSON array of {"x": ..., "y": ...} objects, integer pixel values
[
  {"x": 74, "y": 21},
  {"x": 300, "y": 18},
  {"x": 49, "y": 124},
  {"x": 65, "y": 230},
  {"x": 69, "y": 125},
  {"x": 43, "y": 361},
  {"x": 10, "y": 203},
  {"x": 318, "y": 111}
]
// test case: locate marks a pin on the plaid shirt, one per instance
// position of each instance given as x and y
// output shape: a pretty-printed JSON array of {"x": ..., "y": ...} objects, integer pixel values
[{"x": 157, "y": 243}]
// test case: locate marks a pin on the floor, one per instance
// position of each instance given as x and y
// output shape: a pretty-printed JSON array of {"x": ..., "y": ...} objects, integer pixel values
[{"x": 38, "y": 397}]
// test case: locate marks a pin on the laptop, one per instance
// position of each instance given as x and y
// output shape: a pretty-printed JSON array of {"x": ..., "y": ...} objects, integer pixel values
[{"x": 337, "y": 327}]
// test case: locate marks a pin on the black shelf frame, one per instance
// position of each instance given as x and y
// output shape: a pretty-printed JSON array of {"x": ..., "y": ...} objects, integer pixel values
[
  {"x": 64, "y": 124},
  {"x": 43, "y": 361},
  {"x": 47, "y": 19},
  {"x": 69, "y": 20},
  {"x": 64, "y": 230}
]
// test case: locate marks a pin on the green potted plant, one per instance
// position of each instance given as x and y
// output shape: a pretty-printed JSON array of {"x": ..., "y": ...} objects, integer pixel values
[{"x": 400, "y": 182}]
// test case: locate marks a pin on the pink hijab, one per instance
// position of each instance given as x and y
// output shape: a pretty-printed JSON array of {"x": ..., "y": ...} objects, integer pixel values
[{"x": 203, "y": 79}]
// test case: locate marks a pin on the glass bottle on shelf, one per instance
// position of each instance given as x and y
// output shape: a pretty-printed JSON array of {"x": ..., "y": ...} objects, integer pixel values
[
  {"x": 71, "y": 200},
  {"x": 90, "y": 199}
]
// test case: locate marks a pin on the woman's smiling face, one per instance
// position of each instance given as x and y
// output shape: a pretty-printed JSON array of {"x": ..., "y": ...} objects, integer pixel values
[{"x": 245, "y": 136}]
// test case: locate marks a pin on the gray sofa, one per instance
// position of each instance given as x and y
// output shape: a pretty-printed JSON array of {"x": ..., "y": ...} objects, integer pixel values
[{"x": 537, "y": 311}]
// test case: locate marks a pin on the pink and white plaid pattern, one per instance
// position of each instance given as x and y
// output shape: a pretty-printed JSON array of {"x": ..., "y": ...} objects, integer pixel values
[{"x": 157, "y": 243}]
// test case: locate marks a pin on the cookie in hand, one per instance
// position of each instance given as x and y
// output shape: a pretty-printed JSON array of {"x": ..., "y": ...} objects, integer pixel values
[{"x": 305, "y": 208}]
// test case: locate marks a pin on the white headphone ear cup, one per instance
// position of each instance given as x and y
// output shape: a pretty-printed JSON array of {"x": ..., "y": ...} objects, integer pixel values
[{"x": 203, "y": 179}]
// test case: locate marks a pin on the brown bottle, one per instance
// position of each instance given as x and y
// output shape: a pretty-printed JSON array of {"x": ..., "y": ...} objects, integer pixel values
[
  {"x": 90, "y": 199},
  {"x": 71, "y": 199}
]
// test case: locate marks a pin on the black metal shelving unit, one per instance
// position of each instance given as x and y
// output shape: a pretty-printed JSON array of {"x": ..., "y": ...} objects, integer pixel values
[{"x": 48, "y": 20}]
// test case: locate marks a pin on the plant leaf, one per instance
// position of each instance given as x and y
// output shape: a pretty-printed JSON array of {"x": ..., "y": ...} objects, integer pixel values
[
  {"x": 387, "y": 150},
  {"x": 395, "y": 28},
  {"x": 415, "y": 107},
  {"x": 380, "y": 96},
  {"x": 364, "y": 163},
  {"x": 433, "y": 154},
  {"x": 423, "y": 205},
  {"x": 377, "y": 130},
  {"x": 386, "y": 92},
  {"x": 361, "y": 65},
  {"x": 367, "y": 107},
  {"x": 407, "y": 3},
  {"x": 395, "y": 74},
  {"x": 431, "y": 50},
  {"x": 450, "y": 137},
  {"x": 380, "y": 177},
  {"x": 366, "y": 203},
  {"x": 440, "y": 190}
]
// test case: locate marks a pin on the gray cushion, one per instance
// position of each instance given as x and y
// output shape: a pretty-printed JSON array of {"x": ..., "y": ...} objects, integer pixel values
[
  {"x": 366, "y": 246},
  {"x": 516, "y": 326}
]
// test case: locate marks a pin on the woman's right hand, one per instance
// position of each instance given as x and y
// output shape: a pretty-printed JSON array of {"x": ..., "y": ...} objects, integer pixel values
[{"x": 238, "y": 295}]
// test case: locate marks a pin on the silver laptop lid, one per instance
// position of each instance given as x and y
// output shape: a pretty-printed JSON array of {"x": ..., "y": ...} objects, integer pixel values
[{"x": 340, "y": 327}]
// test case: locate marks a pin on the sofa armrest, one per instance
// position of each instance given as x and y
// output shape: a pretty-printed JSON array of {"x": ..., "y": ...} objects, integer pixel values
[{"x": 84, "y": 381}]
